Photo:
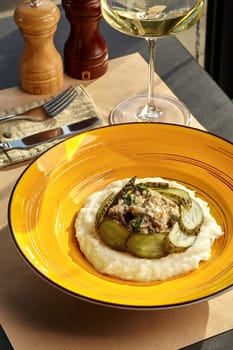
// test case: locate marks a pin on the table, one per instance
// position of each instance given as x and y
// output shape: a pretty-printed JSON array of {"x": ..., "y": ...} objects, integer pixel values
[
  {"x": 210, "y": 105},
  {"x": 101, "y": 327}
]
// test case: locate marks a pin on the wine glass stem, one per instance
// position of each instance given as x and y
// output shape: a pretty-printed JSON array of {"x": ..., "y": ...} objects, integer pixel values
[
  {"x": 150, "y": 110},
  {"x": 151, "y": 70}
]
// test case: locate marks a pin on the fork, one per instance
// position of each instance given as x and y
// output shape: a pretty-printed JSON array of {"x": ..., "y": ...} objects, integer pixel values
[{"x": 52, "y": 107}]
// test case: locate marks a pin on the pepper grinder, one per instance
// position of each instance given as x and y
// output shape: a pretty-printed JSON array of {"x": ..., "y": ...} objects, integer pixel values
[
  {"x": 40, "y": 65},
  {"x": 85, "y": 51}
]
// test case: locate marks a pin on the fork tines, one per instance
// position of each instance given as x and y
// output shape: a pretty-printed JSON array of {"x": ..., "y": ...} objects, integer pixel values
[{"x": 61, "y": 101}]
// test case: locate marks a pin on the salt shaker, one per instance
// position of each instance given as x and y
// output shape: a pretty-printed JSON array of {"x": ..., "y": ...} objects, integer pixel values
[
  {"x": 40, "y": 66},
  {"x": 85, "y": 51}
]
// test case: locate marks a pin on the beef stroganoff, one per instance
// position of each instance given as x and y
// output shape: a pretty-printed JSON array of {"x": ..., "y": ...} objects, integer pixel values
[{"x": 146, "y": 229}]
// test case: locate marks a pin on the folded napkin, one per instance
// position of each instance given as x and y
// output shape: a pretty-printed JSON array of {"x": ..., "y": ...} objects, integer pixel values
[{"x": 81, "y": 108}]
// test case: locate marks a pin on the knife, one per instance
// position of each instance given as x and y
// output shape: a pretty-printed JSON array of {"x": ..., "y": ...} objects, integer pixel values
[{"x": 49, "y": 135}]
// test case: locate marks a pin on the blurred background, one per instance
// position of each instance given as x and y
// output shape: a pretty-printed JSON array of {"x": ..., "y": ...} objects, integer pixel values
[
  {"x": 188, "y": 38},
  {"x": 209, "y": 42}
]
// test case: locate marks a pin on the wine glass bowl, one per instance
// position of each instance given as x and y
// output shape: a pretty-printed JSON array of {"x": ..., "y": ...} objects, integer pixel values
[{"x": 151, "y": 19}]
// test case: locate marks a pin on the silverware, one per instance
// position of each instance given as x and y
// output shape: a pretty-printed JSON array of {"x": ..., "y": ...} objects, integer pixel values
[
  {"x": 52, "y": 107},
  {"x": 49, "y": 135}
]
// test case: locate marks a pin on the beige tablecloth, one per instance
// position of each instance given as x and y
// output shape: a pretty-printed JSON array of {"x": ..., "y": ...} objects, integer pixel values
[{"x": 35, "y": 315}]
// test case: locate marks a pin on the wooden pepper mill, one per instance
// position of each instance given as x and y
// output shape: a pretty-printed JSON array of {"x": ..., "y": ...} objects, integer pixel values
[
  {"x": 85, "y": 51},
  {"x": 40, "y": 66}
]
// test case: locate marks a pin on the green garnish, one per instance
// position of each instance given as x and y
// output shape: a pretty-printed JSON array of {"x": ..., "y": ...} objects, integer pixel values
[
  {"x": 137, "y": 225},
  {"x": 127, "y": 199}
]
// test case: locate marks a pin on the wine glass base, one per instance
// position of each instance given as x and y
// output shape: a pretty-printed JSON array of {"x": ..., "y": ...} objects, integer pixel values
[{"x": 171, "y": 111}]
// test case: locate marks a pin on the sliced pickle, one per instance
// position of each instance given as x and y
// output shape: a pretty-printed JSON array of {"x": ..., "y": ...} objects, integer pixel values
[
  {"x": 103, "y": 208},
  {"x": 113, "y": 234},
  {"x": 191, "y": 218},
  {"x": 149, "y": 246},
  {"x": 152, "y": 185},
  {"x": 177, "y": 195},
  {"x": 126, "y": 188},
  {"x": 177, "y": 241}
]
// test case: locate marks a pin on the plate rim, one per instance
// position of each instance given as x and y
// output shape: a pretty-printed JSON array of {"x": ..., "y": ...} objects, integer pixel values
[{"x": 95, "y": 300}]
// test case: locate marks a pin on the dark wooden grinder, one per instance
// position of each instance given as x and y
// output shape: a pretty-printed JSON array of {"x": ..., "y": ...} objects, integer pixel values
[{"x": 85, "y": 51}]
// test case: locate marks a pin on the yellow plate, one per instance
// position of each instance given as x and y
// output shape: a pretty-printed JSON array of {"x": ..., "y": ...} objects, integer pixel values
[{"x": 48, "y": 195}]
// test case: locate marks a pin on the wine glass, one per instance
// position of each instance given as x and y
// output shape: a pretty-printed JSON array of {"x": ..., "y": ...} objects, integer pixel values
[{"x": 151, "y": 19}]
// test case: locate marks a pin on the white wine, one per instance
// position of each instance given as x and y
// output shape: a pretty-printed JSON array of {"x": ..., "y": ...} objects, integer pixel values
[
  {"x": 159, "y": 20},
  {"x": 151, "y": 19}
]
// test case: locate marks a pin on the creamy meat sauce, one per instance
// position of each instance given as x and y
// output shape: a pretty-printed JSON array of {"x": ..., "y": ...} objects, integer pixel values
[{"x": 156, "y": 211}]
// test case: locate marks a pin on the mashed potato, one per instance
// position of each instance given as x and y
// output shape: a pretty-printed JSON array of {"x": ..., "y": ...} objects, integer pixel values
[{"x": 126, "y": 266}]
